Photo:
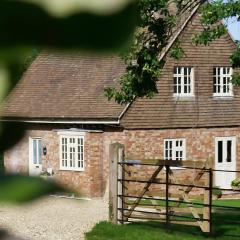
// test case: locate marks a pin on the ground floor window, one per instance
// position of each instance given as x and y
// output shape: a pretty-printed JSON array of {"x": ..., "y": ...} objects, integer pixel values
[
  {"x": 175, "y": 149},
  {"x": 72, "y": 153}
]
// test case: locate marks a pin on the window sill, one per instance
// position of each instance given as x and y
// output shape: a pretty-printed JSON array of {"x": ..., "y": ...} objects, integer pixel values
[
  {"x": 184, "y": 97},
  {"x": 71, "y": 169},
  {"x": 223, "y": 97}
]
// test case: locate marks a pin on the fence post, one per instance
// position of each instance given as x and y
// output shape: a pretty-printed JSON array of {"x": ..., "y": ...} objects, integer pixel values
[
  {"x": 121, "y": 192},
  {"x": 167, "y": 199},
  {"x": 207, "y": 203},
  {"x": 210, "y": 198},
  {"x": 114, "y": 154}
]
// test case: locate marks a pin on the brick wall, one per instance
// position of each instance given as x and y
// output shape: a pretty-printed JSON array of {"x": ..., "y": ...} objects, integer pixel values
[
  {"x": 149, "y": 144},
  {"x": 88, "y": 183},
  {"x": 138, "y": 144}
]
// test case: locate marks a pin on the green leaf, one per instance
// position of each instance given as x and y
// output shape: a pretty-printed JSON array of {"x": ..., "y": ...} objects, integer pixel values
[
  {"x": 236, "y": 79},
  {"x": 25, "y": 24},
  {"x": 10, "y": 134},
  {"x": 21, "y": 189}
]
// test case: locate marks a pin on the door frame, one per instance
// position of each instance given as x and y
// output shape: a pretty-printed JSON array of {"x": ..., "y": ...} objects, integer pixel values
[{"x": 30, "y": 158}]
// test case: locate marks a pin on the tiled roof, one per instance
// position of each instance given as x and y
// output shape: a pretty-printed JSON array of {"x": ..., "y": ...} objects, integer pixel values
[
  {"x": 202, "y": 110},
  {"x": 58, "y": 86}
]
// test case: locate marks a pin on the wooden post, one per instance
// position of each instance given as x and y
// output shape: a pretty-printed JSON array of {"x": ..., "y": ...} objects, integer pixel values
[
  {"x": 207, "y": 201},
  {"x": 167, "y": 199},
  {"x": 120, "y": 192},
  {"x": 210, "y": 198},
  {"x": 113, "y": 181}
]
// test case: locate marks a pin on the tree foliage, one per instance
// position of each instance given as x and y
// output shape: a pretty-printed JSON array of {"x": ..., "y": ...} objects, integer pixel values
[{"x": 157, "y": 24}]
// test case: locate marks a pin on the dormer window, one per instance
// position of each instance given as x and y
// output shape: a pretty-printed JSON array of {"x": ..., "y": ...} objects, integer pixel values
[
  {"x": 183, "y": 81},
  {"x": 222, "y": 85}
]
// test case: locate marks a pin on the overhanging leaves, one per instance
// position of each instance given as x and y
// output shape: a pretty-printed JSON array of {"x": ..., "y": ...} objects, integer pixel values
[
  {"x": 26, "y": 24},
  {"x": 10, "y": 134},
  {"x": 20, "y": 189}
]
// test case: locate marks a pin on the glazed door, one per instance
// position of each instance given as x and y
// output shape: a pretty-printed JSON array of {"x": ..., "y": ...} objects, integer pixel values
[
  {"x": 35, "y": 156},
  {"x": 225, "y": 159}
]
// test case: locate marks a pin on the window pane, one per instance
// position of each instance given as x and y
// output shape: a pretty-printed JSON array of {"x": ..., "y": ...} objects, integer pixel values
[
  {"x": 229, "y": 151},
  {"x": 182, "y": 80},
  {"x": 222, "y": 81},
  {"x": 40, "y": 151},
  {"x": 35, "y": 151},
  {"x": 220, "y": 150}
]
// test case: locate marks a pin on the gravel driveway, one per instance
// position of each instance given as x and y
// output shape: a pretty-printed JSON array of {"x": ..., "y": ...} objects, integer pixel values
[{"x": 53, "y": 218}]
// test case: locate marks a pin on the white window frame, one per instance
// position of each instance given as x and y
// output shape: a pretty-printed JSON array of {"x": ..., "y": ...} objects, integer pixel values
[
  {"x": 221, "y": 77},
  {"x": 175, "y": 149},
  {"x": 72, "y": 146},
  {"x": 180, "y": 74}
]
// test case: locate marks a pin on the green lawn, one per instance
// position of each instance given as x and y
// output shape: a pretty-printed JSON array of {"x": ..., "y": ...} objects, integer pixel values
[
  {"x": 219, "y": 202},
  {"x": 157, "y": 231}
]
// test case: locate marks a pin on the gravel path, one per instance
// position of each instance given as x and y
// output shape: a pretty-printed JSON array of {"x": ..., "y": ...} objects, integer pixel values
[{"x": 53, "y": 218}]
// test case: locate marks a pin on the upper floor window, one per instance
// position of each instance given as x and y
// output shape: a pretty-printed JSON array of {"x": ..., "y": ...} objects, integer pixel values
[
  {"x": 175, "y": 149},
  {"x": 183, "y": 81},
  {"x": 222, "y": 85},
  {"x": 72, "y": 152}
]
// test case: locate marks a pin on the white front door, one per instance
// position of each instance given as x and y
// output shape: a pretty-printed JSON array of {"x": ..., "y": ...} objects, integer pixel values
[
  {"x": 225, "y": 159},
  {"x": 35, "y": 156}
]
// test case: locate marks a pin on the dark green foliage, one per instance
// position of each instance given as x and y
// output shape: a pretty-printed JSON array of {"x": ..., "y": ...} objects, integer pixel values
[
  {"x": 176, "y": 51},
  {"x": 23, "y": 24},
  {"x": 217, "y": 191},
  {"x": 2, "y": 163},
  {"x": 19, "y": 189},
  {"x": 235, "y": 58},
  {"x": 10, "y": 134},
  {"x": 236, "y": 79},
  {"x": 236, "y": 183},
  {"x": 209, "y": 34}
]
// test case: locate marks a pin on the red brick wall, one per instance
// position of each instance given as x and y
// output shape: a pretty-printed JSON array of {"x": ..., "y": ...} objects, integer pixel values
[
  {"x": 88, "y": 183},
  {"x": 138, "y": 144},
  {"x": 148, "y": 144}
]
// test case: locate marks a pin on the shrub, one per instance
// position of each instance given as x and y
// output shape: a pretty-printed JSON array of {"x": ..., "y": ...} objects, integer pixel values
[
  {"x": 217, "y": 192},
  {"x": 236, "y": 183}
]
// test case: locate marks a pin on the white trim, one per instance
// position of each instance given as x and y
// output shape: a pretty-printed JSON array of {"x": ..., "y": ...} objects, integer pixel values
[
  {"x": 30, "y": 156},
  {"x": 181, "y": 74},
  {"x": 61, "y": 122},
  {"x": 68, "y": 135},
  {"x": 71, "y": 133},
  {"x": 175, "y": 148},
  {"x": 124, "y": 111},
  {"x": 221, "y": 94}
]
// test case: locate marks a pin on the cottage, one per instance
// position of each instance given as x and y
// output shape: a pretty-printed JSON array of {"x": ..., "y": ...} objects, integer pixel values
[{"x": 70, "y": 124}]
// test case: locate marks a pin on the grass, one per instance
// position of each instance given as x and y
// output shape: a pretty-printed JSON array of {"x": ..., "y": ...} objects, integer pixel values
[
  {"x": 158, "y": 231},
  {"x": 219, "y": 202}
]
